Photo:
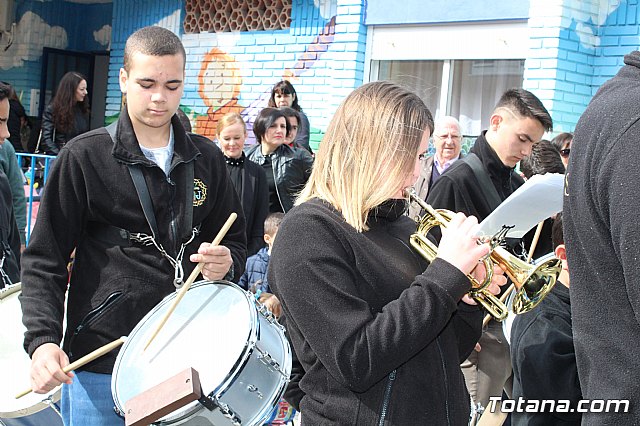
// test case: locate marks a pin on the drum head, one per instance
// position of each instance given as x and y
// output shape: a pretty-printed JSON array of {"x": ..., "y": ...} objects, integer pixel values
[
  {"x": 15, "y": 364},
  {"x": 211, "y": 330}
]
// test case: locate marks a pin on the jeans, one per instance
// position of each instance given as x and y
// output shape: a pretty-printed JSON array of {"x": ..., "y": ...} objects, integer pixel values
[{"x": 88, "y": 401}]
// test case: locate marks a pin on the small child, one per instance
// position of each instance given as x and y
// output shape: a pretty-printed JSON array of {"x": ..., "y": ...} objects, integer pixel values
[{"x": 254, "y": 278}]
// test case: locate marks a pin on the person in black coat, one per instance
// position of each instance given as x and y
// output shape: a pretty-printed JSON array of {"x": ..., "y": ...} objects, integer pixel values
[
  {"x": 287, "y": 169},
  {"x": 378, "y": 330},
  {"x": 601, "y": 228},
  {"x": 517, "y": 122},
  {"x": 248, "y": 178},
  {"x": 67, "y": 116},
  {"x": 542, "y": 352},
  {"x": 9, "y": 235}
]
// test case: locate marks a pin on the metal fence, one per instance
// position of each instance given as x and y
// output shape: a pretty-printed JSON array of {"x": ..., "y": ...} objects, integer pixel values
[{"x": 36, "y": 171}]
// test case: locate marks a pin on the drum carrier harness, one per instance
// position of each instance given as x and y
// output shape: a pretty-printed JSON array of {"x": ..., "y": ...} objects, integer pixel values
[{"x": 119, "y": 236}]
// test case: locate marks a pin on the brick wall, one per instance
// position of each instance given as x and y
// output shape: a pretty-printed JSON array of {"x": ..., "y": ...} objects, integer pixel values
[
  {"x": 322, "y": 54},
  {"x": 575, "y": 46}
]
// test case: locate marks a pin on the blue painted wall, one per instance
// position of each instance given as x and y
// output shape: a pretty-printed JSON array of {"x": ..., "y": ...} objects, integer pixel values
[{"x": 384, "y": 12}]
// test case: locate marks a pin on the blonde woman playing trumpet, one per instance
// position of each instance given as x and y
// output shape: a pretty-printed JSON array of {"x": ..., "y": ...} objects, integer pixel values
[{"x": 379, "y": 331}]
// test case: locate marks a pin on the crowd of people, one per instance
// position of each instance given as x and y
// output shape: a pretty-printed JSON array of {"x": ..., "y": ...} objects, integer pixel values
[{"x": 380, "y": 334}]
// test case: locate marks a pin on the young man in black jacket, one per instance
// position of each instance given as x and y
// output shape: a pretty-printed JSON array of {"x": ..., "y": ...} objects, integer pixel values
[
  {"x": 92, "y": 205},
  {"x": 518, "y": 121},
  {"x": 601, "y": 233}
]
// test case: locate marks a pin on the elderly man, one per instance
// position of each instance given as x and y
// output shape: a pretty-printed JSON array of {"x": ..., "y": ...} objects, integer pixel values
[{"x": 447, "y": 139}]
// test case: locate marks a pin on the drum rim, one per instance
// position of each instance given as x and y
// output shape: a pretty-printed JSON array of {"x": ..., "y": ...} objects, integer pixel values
[
  {"x": 224, "y": 385},
  {"x": 10, "y": 289},
  {"x": 53, "y": 396}
]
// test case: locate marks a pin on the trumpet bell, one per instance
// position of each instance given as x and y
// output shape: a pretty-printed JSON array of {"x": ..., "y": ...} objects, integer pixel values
[
  {"x": 537, "y": 285},
  {"x": 532, "y": 281}
]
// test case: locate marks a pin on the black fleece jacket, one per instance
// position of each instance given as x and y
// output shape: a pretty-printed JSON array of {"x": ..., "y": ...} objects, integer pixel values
[
  {"x": 113, "y": 285},
  {"x": 544, "y": 360},
  {"x": 601, "y": 230},
  {"x": 458, "y": 190},
  {"x": 380, "y": 335}
]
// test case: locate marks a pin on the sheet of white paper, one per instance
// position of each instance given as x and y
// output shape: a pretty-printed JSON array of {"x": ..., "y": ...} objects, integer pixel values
[{"x": 539, "y": 198}]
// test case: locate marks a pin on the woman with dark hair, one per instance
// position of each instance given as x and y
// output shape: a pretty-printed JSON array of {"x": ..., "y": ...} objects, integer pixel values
[
  {"x": 67, "y": 116},
  {"x": 284, "y": 95},
  {"x": 247, "y": 177},
  {"x": 287, "y": 168}
]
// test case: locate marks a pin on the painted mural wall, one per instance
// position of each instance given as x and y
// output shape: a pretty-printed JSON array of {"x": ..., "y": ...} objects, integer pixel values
[
  {"x": 59, "y": 24},
  {"x": 322, "y": 54}
]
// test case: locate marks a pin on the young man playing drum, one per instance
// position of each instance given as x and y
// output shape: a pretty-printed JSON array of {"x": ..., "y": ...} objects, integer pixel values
[{"x": 130, "y": 248}]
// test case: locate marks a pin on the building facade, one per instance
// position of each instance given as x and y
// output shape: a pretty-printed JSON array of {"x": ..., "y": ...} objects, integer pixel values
[{"x": 458, "y": 55}]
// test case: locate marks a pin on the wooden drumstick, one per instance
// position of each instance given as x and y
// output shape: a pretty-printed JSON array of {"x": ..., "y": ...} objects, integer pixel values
[
  {"x": 508, "y": 291},
  {"x": 86, "y": 359},
  {"x": 194, "y": 274}
]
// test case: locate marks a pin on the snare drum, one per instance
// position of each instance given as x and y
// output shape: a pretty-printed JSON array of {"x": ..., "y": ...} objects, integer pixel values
[
  {"x": 15, "y": 365},
  {"x": 239, "y": 350}
]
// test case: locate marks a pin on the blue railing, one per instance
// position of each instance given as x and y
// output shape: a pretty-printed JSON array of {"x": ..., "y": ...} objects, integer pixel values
[{"x": 37, "y": 172}]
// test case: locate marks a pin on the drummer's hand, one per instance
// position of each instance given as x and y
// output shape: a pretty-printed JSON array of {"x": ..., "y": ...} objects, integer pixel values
[
  {"x": 217, "y": 261},
  {"x": 497, "y": 281},
  {"x": 459, "y": 246},
  {"x": 47, "y": 363},
  {"x": 272, "y": 303}
]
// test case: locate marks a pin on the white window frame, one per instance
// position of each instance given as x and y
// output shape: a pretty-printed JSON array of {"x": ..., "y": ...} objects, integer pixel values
[{"x": 445, "y": 42}]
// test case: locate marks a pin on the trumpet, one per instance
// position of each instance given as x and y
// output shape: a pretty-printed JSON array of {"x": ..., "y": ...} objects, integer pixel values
[
  {"x": 532, "y": 282},
  {"x": 428, "y": 250}
]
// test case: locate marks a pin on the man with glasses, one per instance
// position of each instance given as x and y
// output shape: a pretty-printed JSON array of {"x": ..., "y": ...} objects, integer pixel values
[{"x": 447, "y": 140}]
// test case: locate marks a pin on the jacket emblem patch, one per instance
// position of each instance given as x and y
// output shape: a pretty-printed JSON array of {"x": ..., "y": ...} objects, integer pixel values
[{"x": 199, "y": 192}]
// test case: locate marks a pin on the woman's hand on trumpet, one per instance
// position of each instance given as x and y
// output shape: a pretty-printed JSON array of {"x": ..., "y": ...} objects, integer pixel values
[
  {"x": 497, "y": 281},
  {"x": 459, "y": 244},
  {"x": 461, "y": 247}
]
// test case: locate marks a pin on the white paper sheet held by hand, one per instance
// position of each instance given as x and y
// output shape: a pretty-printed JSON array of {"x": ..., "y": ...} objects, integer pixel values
[{"x": 539, "y": 198}]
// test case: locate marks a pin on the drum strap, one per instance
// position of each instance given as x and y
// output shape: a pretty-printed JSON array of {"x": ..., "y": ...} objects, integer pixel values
[{"x": 113, "y": 233}]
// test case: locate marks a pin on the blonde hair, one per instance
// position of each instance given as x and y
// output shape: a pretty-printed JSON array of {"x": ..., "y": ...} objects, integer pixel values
[
  {"x": 230, "y": 119},
  {"x": 368, "y": 151}
]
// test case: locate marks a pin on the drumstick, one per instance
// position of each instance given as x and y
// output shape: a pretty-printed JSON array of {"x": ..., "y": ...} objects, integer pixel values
[
  {"x": 86, "y": 359},
  {"x": 506, "y": 294},
  {"x": 194, "y": 274}
]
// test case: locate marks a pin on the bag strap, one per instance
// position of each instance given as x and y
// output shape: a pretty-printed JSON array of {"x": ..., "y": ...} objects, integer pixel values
[{"x": 483, "y": 179}]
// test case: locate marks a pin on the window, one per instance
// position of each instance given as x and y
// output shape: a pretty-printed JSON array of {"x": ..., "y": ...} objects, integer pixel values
[{"x": 465, "y": 89}]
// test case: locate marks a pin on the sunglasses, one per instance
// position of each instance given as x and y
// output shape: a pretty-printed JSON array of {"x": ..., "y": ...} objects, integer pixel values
[{"x": 565, "y": 152}]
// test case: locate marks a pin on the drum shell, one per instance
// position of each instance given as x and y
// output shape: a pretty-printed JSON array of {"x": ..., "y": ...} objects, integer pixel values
[{"x": 251, "y": 387}]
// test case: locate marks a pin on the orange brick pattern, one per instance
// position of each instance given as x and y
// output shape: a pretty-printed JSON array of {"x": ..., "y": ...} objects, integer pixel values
[{"x": 236, "y": 15}]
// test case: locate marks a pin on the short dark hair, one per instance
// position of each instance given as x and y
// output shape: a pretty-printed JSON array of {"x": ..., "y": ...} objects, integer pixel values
[
  {"x": 265, "y": 119},
  {"x": 272, "y": 223},
  {"x": 526, "y": 104},
  {"x": 560, "y": 140},
  {"x": 544, "y": 158},
  {"x": 5, "y": 91},
  {"x": 284, "y": 87},
  {"x": 290, "y": 112},
  {"x": 557, "y": 237},
  {"x": 153, "y": 41}
]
